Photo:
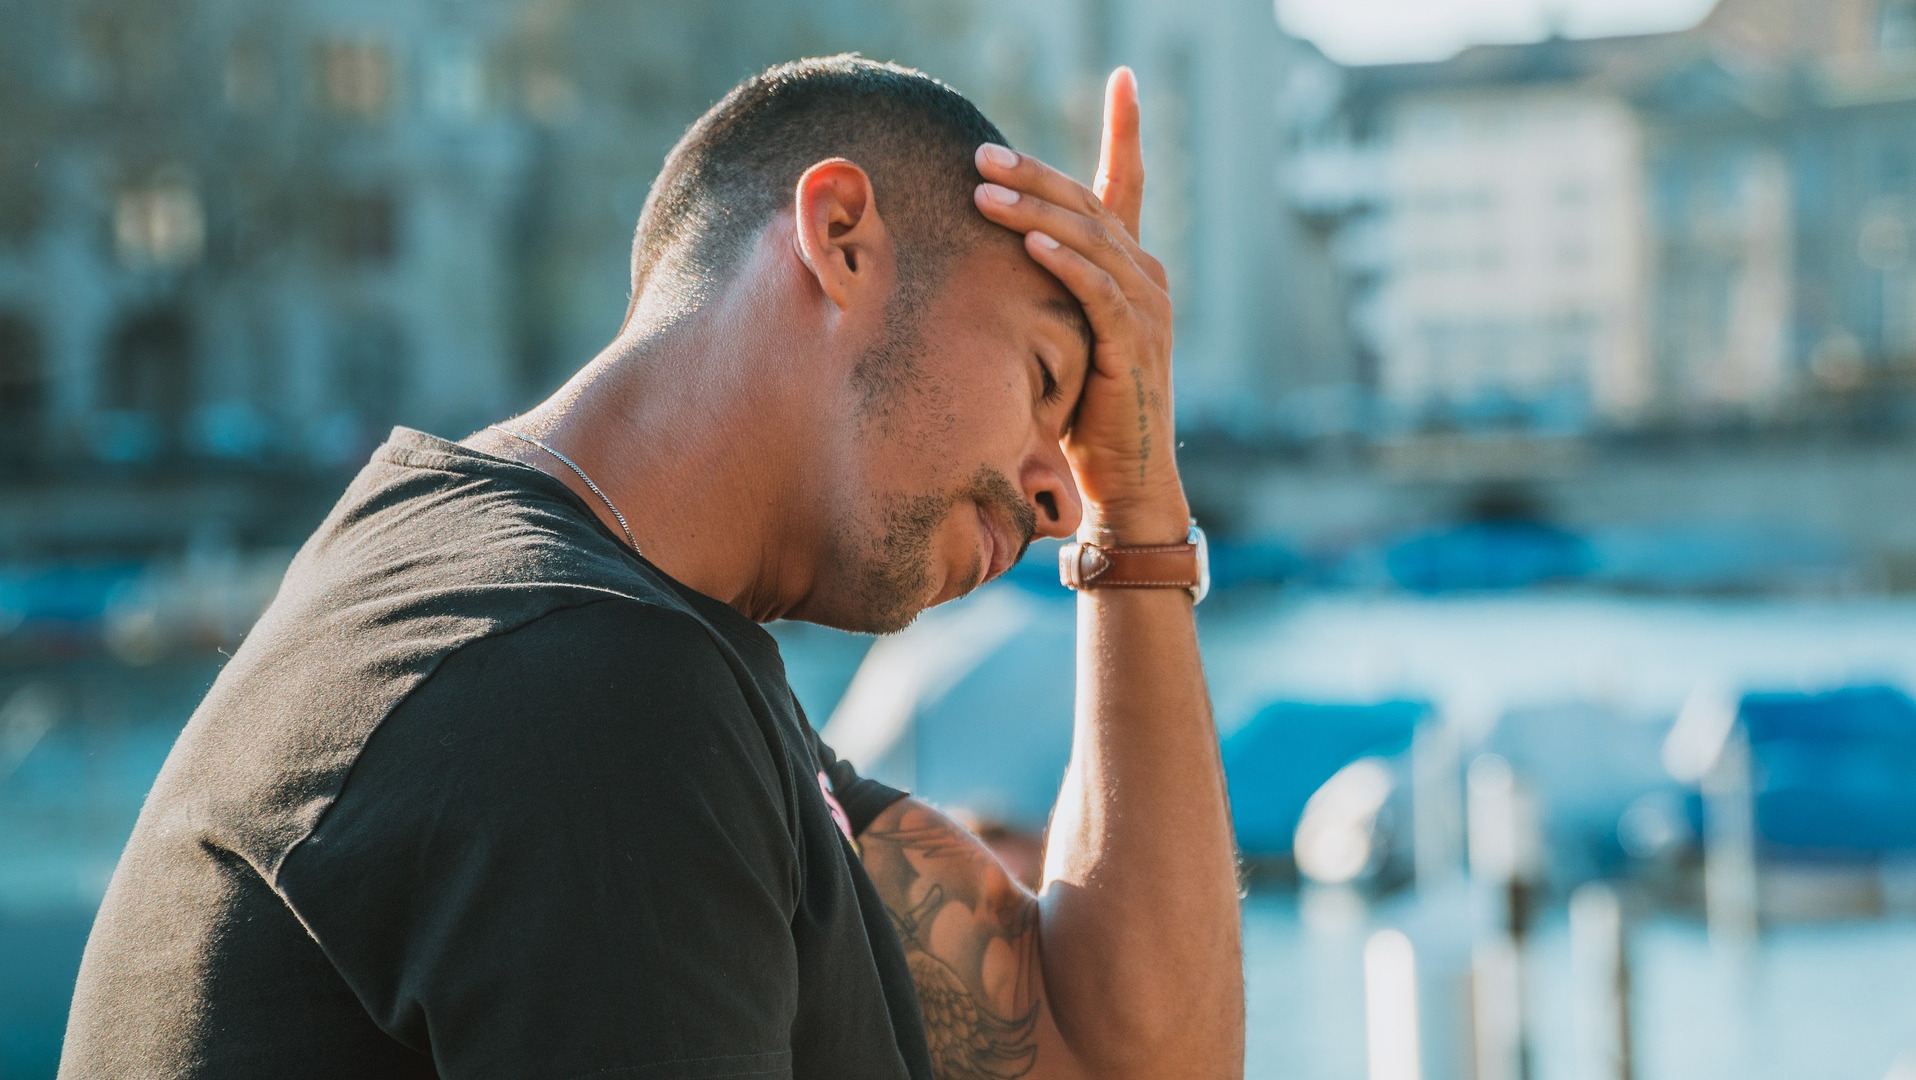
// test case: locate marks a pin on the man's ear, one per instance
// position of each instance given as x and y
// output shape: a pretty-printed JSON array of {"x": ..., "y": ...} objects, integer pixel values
[{"x": 839, "y": 236}]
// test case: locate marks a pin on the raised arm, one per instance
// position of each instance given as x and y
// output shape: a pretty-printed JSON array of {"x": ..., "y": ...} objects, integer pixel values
[{"x": 1128, "y": 964}]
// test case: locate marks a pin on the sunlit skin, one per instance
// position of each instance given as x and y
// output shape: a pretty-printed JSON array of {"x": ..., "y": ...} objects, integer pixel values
[
  {"x": 1003, "y": 362},
  {"x": 753, "y": 467},
  {"x": 757, "y": 479}
]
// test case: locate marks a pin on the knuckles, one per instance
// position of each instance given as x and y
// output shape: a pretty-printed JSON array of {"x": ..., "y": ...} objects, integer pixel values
[
  {"x": 1154, "y": 270},
  {"x": 1110, "y": 293},
  {"x": 1103, "y": 242},
  {"x": 1148, "y": 314}
]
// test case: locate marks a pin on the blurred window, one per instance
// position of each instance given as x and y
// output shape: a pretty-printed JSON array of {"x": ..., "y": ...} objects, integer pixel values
[
  {"x": 1896, "y": 25},
  {"x": 1899, "y": 316},
  {"x": 356, "y": 77},
  {"x": 250, "y": 85},
  {"x": 22, "y": 200},
  {"x": 551, "y": 97},
  {"x": 258, "y": 219},
  {"x": 133, "y": 50},
  {"x": 364, "y": 227},
  {"x": 1728, "y": 171},
  {"x": 1571, "y": 341},
  {"x": 23, "y": 389},
  {"x": 1177, "y": 112},
  {"x": 1440, "y": 345},
  {"x": 1810, "y": 171},
  {"x": 159, "y": 224},
  {"x": 1882, "y": 242},
  {"x": 1476, "y": 200},
  {"x": 1892, "y": 166},
  {"x": 1710, "y": 319},
  {"x": 147, "y": 387},
  {"x": 1496, "y": 355},
  {"x": 1435, "y": 124},
  {"x": 455, "y": 78},
  {"x": 369, "y": 370},
  {"x": 1500, "y": 122}
]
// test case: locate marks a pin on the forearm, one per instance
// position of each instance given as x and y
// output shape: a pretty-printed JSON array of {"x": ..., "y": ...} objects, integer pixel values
[
  {"x": 1141, "y": 953},
  {"x": 1139, "y": 944}
]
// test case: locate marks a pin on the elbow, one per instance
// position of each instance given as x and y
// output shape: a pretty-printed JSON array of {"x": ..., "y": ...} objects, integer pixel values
[{"x": 1200, "y": 1036}]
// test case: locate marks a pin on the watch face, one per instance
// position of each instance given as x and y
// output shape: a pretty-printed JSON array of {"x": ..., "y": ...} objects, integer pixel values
[{"x": 1203, "y": 587}]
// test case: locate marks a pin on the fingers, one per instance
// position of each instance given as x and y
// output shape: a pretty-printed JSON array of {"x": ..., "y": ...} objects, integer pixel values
[
  {"x": 1104, "y": 300},
  {"x": 1022, "y": 172},
  {"x": 1120, "y": 178},
  {"x": 1100, "y": 240}
]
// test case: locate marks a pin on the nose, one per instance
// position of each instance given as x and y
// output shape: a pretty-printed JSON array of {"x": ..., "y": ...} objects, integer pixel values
[{"x": 1052, "y": 489}]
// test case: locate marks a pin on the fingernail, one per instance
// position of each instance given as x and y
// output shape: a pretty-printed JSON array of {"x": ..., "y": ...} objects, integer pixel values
[
  {"x": 1002, "y": 156},
  {"x": 1043, "y": 240},
  {"x": 1003, "y": 196}
]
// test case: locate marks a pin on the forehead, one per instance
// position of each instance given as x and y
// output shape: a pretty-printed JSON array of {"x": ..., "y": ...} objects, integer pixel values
[{"x": 1000, "y": 282}]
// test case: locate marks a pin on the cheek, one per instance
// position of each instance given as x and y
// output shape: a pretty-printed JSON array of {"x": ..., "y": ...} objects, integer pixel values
[
  {"x": 967, "y": 404},
  {"x": 941, "y": 439},
  {"x": 992, "y": 412}
]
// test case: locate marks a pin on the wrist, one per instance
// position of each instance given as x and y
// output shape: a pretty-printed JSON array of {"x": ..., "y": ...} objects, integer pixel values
[{"x": 1165, "y": 520}]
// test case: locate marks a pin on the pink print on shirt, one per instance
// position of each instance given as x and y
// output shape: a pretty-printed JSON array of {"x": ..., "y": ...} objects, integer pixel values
[{"x": 838, "y": 812}]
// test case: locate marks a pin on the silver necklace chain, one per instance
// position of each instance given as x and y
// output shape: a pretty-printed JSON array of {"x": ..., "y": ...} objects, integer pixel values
[{"x": 570, "y": 464}]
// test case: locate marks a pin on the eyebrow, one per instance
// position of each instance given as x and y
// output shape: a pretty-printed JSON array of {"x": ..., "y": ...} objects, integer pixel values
[{"x": 1071, "y": 314}]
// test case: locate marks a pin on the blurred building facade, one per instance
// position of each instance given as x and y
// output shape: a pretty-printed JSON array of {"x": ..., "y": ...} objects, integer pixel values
[
  {"x": 1495, "y": 254},
  {"x": 250, "y": 239},
  {"x": 238, "y": 242},
  {"x": 1683, "y": 230}
]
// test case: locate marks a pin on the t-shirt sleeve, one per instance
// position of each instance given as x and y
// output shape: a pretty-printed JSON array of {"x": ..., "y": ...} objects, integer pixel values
[
  {"x": 569, "y": 853},
  {"x": 862, "y": 798}
]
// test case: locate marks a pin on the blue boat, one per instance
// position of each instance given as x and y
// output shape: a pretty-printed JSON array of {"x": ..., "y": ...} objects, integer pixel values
[{"x": 1276, "y": 761}]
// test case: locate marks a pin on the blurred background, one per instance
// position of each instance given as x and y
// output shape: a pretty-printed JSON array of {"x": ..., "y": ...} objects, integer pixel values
[{"x": 1547, "y": 376}]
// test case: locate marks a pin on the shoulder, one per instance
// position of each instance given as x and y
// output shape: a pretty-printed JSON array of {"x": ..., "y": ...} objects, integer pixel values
[
  {"x": 623, "y": 639},
  {"x": 591, "y": 795},
  {"x": 613, "y": 717},
  {"x": 602, "y": 672},
  {"x": 606, "y": 710},
  {"x": 426, "y": 533}
]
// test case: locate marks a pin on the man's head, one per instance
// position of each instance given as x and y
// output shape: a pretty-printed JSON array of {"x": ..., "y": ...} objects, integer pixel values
[
  {"x": 931, "y": 366},
  {"x": 737, "y": 166}
]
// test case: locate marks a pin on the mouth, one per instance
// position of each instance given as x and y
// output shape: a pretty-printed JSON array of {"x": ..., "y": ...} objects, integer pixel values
[{"x": 1000, "y": 553}]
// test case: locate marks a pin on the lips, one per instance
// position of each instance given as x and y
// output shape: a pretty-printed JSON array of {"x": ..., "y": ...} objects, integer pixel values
[{"x": 999, "y": 551}]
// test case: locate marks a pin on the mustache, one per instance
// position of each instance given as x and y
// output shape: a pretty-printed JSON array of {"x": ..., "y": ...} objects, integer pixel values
[{"x": 995, "y": 491}]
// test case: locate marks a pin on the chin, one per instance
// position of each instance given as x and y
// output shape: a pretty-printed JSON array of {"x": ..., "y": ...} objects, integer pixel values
[
  {"x": 863, "y": 614},
  {"x": 865, "y": 622},
  {"x": 884, "y": 587}
]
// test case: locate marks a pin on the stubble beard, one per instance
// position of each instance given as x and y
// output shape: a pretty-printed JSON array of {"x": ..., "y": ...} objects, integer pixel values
[
  {"x": 895, "y": 577},
  {"x": 893, "y": 574}
]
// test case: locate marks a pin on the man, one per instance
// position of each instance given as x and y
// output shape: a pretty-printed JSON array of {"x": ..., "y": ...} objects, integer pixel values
[{"x": 508, "y": 782}]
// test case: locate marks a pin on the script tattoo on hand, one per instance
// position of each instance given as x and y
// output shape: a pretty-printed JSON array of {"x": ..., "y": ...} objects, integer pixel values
[
  {"x": 1144, "y": 424},
  {"x": 970, "y": 934}
]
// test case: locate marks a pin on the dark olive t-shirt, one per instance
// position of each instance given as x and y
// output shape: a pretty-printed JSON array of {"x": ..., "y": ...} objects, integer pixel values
[{"x": 484, "y": 794}]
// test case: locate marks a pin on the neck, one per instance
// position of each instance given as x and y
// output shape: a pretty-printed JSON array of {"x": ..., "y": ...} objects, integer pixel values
[{"x": 659, "y": 422}]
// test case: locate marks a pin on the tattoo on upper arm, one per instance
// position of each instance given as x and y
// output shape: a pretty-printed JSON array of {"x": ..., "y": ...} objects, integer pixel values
[{"x": 971, "y": 938}]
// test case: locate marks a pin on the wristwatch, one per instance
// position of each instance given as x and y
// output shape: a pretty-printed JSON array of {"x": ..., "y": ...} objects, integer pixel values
[{"x": 1086, "y": 565}]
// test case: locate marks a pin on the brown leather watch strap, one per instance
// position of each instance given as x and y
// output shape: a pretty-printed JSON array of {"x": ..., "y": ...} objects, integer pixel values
[{"x": 1164, "y": 566}]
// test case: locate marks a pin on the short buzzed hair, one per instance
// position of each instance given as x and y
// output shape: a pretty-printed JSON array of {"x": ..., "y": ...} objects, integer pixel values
[{"x": 739, "y": 164}]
